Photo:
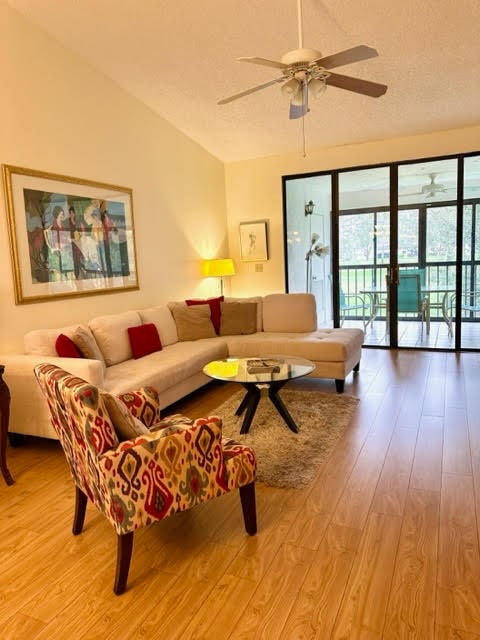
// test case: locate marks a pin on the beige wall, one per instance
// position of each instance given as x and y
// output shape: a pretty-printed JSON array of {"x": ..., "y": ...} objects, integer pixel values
[
  {"x": 254, "y": 191},
  {"x": 57, "y": 114}
]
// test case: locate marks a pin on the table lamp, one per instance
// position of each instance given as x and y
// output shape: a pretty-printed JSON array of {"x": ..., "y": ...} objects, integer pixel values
[{"x": 218, "y": 269}]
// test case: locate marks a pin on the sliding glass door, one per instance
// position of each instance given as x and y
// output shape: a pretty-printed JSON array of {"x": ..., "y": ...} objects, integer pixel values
[
  {"x": 364, "y": 250},
  {"x": 308, "y": 240},
  {"x": 393, "y": 249},
  {"x": 427, "y": 247},
  {"x": 465, "y": 304}
]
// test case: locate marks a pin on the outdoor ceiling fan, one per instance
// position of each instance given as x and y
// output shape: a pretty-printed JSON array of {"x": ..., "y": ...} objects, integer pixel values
[
  {"x": 433, "y": 188},
  {"x": 305, "y": 71}
]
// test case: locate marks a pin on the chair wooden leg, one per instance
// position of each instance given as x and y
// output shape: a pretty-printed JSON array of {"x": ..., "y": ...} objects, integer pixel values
[
  {"x": 247, "y": 498},
  {"x": 357, "y": 366},
  {"x": 339, "y": 385},
  {"x": 80, "y": 509},
  {"x": 124, "y": 555}
]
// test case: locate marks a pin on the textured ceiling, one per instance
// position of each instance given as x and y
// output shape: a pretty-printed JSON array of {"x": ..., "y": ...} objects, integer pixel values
[{"x": 179, "y": 57}]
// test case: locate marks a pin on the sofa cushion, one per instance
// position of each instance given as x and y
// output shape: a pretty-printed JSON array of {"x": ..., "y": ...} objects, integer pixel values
[
  {"x": 193, "y": 323},
  {"x": 165, "y": 369},
  {"x": 162, "y": 318},
  {"x": 126, "y": 426},
  {"x": 215, "y": 310},
  {"x": 41, "y": 342},
  {"x": 144, "y": 339},
  {"x": 289, "y": 312},
  {"x": 324, "y": 345},
  {"x": 66, "y": 347},
  {"x": 87, "y": 344},
  {"x": 112, "y": 336},
  {"x": 238, "y": 318},
  {"x": 258, "y": 300}
]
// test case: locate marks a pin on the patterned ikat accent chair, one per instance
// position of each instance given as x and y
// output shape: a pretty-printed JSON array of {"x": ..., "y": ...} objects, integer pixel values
[{"x": 174, "y": 465}]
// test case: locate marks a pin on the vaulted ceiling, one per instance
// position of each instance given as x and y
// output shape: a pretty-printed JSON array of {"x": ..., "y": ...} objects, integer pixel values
[{"x": 179, "y": 58}]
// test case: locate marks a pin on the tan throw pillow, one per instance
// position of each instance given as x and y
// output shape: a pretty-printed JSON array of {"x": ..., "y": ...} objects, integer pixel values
[
  {"x": 126, "y": 426},
  {"x": 84, "y": 340},
  {"x": 193, "y": 323},
  {"x": 162, "y": 318},
  {"x": 111, "y": 333},
  {"x": 238, "y": 318}
]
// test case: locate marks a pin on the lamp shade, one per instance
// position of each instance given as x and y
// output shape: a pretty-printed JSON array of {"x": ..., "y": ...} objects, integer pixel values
[{"x": 218, "y": 268}]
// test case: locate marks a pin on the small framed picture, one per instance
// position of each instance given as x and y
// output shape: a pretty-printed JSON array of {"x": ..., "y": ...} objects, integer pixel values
[{"x": 254, "y": 241}]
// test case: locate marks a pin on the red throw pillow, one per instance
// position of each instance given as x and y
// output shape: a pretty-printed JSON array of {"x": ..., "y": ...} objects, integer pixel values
[
  {"x": 66, "y": 348},
  {"x": 144, "y": 339},
  {"x": 215, "y": 310}
]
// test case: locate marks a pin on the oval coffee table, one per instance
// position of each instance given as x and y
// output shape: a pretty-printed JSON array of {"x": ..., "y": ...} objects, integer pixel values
[{"x": 254, "y": 373}]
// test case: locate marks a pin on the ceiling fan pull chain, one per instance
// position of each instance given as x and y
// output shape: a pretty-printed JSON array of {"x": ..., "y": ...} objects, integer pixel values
[{"x": 304, "y": 139}]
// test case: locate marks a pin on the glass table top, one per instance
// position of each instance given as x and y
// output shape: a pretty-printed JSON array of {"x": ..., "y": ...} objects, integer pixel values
[{"x": 258, "y": 369}]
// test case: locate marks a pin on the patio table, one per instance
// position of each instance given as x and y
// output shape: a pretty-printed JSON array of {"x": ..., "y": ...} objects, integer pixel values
[{"x": 379, "y": 299}]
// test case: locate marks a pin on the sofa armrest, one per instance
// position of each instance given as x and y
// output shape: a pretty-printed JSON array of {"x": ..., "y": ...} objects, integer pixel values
[
  {"x": 22, "y": 365},
  {"x": 29, "y": 413},
  {"x": 154, "y": 476}
]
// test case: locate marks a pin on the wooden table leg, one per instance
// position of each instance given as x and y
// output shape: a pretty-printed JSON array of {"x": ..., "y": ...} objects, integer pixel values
[
  {"x": 273, "y": 390},
  {"x": 248, "y": 405},
  {"x": 4, "y": 420}
]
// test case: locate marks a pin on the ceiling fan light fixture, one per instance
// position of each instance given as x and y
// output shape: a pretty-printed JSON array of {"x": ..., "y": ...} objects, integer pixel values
[
  {"x": 316, "y": 87},
  {"x": 297, "y": 98},
  {"x": 290, "y": 88}
]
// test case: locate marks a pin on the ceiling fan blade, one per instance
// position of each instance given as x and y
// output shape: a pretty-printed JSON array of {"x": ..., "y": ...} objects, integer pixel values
[
  {"x": 355, "y": 54},
  {"x": 251, "y": 90},
  {"x": 298, "y": 110},
  {"x": 264, "y": 62},
  {"x": 365, "y": 87}
]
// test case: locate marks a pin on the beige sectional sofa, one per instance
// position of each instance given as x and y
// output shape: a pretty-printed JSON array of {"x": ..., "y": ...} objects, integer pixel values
[{"x": 283, "y": 324}]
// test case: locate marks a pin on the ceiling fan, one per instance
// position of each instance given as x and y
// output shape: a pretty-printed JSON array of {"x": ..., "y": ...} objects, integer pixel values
[
  {"x": 305, "y": 71},
  {"x": 432, "y": 188}
]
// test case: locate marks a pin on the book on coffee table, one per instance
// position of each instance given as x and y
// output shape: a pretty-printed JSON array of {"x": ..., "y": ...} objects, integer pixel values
[{"x": 263, "y": 365}]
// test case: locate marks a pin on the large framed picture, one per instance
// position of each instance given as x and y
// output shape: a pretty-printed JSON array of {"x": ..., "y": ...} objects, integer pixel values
[
  {"x": 254, "y": 241},
  {"x": 68, "y": 236}
]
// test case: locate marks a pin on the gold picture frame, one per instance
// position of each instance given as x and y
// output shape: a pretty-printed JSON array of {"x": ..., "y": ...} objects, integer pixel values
[
  {"x": 254, "y": 241},
  {"x": 68, "y": 236}
]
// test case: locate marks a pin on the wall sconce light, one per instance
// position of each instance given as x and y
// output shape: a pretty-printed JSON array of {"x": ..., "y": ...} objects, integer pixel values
[
  {"x": 218, "y": 269},
  {"x": 309, "y": 206}
]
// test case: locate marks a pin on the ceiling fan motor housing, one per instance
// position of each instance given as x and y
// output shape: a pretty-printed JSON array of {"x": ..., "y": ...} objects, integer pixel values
[
  {"x": 301, "y": 67},
  {"x": 301, "y": 56}
]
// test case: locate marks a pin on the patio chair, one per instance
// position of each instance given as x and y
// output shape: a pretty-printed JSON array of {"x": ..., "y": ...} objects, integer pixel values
[
  {"x": 470, "y": 302},
  {"x": 352, "y": 302},
  {"x": 410, "y": 298},
  {"x": 413, "y": 272},
  {"x": 171, "y": 466}
]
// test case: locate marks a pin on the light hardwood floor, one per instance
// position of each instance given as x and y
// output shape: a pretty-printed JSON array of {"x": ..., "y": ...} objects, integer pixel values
[{"x": 383, "y": 544}]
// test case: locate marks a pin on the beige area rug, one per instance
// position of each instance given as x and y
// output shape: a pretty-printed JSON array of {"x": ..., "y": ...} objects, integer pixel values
[{"x": 284, "y": 458}]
